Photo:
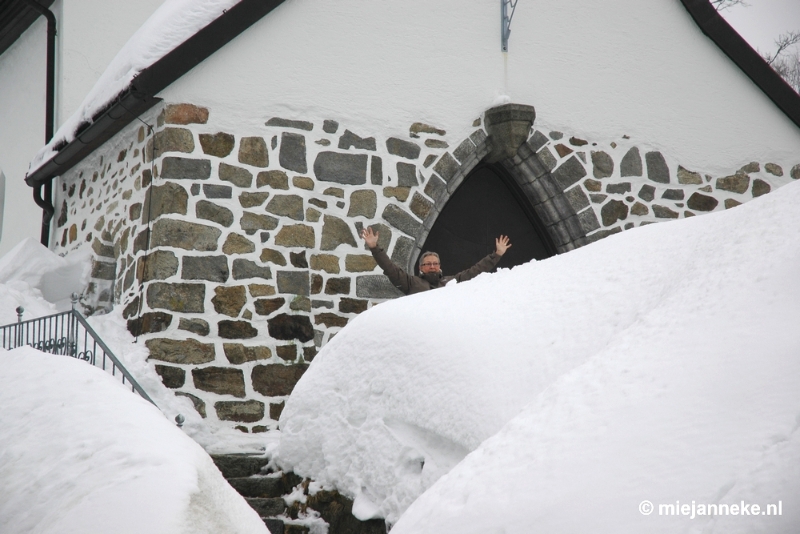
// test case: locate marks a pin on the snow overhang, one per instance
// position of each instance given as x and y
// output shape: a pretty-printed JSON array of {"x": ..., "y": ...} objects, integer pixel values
[{"x": 140, "y": 95}]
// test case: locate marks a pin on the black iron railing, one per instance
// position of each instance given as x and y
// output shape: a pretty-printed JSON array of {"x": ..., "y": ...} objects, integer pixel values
[{"x": 67, "y": 334}]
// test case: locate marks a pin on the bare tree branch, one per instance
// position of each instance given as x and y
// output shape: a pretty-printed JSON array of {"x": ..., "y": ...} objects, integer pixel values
[
  {"x": 721, "y": 5},
  {"x": 783, "y": 42},
  {"x": 788, "y": 66}
]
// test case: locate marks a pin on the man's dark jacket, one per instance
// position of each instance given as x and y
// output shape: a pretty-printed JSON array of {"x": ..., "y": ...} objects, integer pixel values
[{"x": 409, "y": 284}]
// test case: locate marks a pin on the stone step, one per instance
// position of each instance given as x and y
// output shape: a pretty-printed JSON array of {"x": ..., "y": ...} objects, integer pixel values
[
  {"x": 274, "y": 525},
  {"x": 239, "y": 465},
  {"x": 267, "y": 507},
  {"x": 264, "y": 491},
  {"x": 337, "y": 511},
  {"x": 258, "y": 486}
]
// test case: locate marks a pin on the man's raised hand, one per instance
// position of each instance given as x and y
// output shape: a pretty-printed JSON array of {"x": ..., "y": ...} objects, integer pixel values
[
  {"x": 501, "y": 244},
  {"x": 370, "y": 237}
]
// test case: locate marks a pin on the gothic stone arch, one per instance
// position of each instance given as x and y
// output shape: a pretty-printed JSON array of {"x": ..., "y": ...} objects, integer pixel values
[{"x": 562, "y": 209}]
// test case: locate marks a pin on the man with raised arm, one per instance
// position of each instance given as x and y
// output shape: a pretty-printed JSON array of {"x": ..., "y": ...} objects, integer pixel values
[{"x": 430, "y": 276}]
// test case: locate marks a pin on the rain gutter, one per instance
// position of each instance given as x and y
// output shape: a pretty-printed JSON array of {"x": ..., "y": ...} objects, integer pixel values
[{"x": 140, "y": 95}]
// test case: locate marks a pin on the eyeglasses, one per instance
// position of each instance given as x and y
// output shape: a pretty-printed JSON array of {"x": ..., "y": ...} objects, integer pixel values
[{"x": 430, "y": 264}]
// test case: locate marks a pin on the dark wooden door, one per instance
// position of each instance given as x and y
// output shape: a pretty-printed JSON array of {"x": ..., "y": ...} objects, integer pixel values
[{"x": 486, "y": 205}]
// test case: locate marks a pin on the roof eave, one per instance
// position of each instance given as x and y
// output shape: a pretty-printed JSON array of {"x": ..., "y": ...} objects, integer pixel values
[
  {"x": 141, "y": 93},
  {"x": 123, "y": 112},
  {"x": 752, "y": 64},
  {"x": 15, "y": 19}
]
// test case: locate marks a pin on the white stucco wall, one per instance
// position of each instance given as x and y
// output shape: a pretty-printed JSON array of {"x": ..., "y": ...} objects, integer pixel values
[
  {"x": 22, "y": 104},
  {"x": 598, "y": 69},
  {"x": 90, "y": 33}
]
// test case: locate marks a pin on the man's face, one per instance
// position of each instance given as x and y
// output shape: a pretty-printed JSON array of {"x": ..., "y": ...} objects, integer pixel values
[{"x": 430, "y": 264}]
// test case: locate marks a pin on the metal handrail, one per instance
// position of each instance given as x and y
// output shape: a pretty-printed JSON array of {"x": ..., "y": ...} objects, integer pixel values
[{"x": 69, "y": 334}]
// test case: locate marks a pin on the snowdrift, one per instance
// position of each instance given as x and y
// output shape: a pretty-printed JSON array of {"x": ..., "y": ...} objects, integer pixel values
[
  {"x": 113, "y": 329},
  {"x": 42, "y": 282},
  {"x": 659, "y": 364},
  {"x": 79, "y": 453},
  {"x": 39, "y": 280}
]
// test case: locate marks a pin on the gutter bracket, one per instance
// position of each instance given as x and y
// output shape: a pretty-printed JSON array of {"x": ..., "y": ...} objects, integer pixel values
[{"x": 507, "y": 8}]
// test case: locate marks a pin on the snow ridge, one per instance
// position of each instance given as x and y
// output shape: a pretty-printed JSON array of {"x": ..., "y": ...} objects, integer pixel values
[{"x": 657, "y": 363}]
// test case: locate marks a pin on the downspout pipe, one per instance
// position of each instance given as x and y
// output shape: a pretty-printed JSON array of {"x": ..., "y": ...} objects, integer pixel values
[{"x": 45, "y": 201}]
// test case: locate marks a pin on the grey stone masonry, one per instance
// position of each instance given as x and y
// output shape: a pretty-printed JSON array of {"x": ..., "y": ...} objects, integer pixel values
[
  {"x": 657, "y": 169},
  {"x": 631, "y": 164},
  {"x": 293, "y": 152},
  {"x": 569, "y": 173},
  {"x": 240, "y": 250},
  {"x": 551, "y": 195},
  {"x": 185, "y": 169},
  {"x": 402, "y": 148},
  {"x": 630, "y": 185},
  {"x": 602, "y": 164},
  {"x": 349, "y": 139},
  {"x": 238, "y": 176},
  {"x": 341, "y": 168}
]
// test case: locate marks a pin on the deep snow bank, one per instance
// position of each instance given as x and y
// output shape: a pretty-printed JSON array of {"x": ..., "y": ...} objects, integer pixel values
[
  {"x": 696, "y": 402},
  {"x": 39, "y": 280},
  {"x": 639, "y": 350},
  {"x": 113, "y": 329},
  {"x": 81, "y": 454},
  {"x": 42, "y": 282}
]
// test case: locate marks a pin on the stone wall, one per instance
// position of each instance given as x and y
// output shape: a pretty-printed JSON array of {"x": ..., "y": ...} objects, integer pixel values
[
  {"x": 98, "y": 204},
  {"x": 627, "y": 185},
  {"x": 235, "y": 255}
]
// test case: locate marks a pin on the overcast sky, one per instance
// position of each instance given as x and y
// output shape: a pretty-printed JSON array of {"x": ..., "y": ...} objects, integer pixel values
[{"x": 762, "y": 21}]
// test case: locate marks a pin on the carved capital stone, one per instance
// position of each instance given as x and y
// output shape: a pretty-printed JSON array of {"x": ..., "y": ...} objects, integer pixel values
[{"x": 508, "y": 127}]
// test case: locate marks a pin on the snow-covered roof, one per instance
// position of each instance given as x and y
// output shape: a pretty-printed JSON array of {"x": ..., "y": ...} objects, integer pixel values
[{"x": 170, "y": 25}]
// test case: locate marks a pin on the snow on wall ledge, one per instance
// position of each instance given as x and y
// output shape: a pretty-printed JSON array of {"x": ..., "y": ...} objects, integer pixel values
[
  {"x": 658, "y": 364},
  {"x": 599, "y": 69}
]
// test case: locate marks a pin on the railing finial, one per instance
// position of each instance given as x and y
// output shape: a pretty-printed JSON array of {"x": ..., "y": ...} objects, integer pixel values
[
  {"x": 20, "y": 310},
  {"x": 74, "y": 299},
  {"x": 179, "y": 419}
]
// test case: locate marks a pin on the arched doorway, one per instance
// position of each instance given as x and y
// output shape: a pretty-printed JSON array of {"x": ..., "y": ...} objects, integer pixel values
[{"x": 486, "y": 204}]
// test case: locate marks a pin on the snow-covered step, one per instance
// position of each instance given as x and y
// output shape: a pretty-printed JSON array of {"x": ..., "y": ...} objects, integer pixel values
[
  {"x": 262, "y": 491},
  {"x": 265, "y": 490},
  {"x": 258, "y": 486}
]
